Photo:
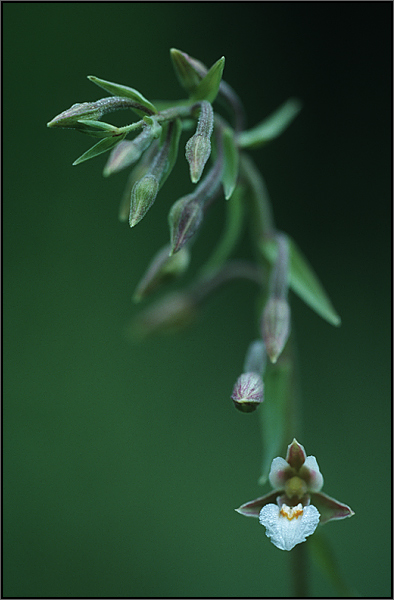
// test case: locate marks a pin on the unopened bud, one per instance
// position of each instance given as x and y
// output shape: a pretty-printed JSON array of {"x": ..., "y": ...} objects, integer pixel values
[
  {"x": 185, "y": 218},
  {"x": 185, "y": 70},
  {"x": 275, "y": 326},
  {"x": 198, "y": 147},
  {"x": 122, "y": 156},
  {"x": 143, "y": 195},
  {"x": 172, "y": 313},
  {"x": 128, "y": 152},
  {"x": 198, "y": 150},
  {"x": 89, "y": 110},
  {"x": 163, "y": 269},
  {"x": 248, "y": 392}
]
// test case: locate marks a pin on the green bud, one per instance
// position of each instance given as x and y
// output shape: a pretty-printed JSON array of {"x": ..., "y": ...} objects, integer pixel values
[
  {"x": 122, "y": 156},
  {"x": 163, "y": 269},
  {"x": 275, "y": 326},
  {"x": 303, "y": 279},
  {"x": 198, "y": 147},
  {"x": 128, "y": 152},
  {"x": 185, "y": 218},
  {"x": 143, "y": 195},
  {"x": 89, "y": 110},
  {"x": 170, "y": 314},
  {"x": 137, "y": 173},
  {"x": 198, "y": 150},
  {"x": 185, "y": 71}
]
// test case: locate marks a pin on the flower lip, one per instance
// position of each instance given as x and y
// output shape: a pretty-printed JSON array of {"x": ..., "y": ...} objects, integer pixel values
[{"x": 289, "y": 526}]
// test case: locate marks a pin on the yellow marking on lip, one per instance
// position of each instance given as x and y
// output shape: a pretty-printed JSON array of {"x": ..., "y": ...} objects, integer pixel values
[{"x": 291, "y": 513}]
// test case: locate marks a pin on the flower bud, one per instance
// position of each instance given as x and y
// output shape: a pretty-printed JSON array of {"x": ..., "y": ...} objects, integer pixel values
[
  {"x": 198, "y": 147},
  {"x": 248, "y": 392},
  {"x": 143, "y": 196},
  {"x": 122, "y": 156},
  {"x": 89, "y": 110},
  {"x": 185, "y": 70},
  {"x": 170, "y": 314},
  {"x": 198, "y": 150},
  {"x": 163, "y": 269},
  {"x": 128, "y": 152},
  {"x": 275, "y": 326},
  {"x": 185, "y": 218}
]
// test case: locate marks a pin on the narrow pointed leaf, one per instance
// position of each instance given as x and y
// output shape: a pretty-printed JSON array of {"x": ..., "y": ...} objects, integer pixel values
[
  {"x": 303, "y": 281},
  {"x": 143, "y": 107},
  {"x": 173, "y": 151},
  {"x": 274, "y": 413},
  {"x": 96, "y": 128},
  {"x": 102, "y": 146},
  {"x": 208, "y": 87},
  {"x": 184, "y": 70},
  {"x": 271, "y": 127},
  {"x": 231, "y": 162}
]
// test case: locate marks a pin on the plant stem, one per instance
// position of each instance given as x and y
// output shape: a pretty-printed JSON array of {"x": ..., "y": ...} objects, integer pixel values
[{"x": 299, "y": 567}]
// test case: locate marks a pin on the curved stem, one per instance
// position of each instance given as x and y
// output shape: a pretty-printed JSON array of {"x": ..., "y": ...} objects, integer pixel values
[{"x": 230, "y": 236}]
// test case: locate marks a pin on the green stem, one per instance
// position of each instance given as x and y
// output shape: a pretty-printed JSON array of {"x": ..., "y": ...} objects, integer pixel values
[
  {"x": 230, "y": 235},
  {"x": 169, "y": 114},
  {"x": 299, "y": 567},
  {"x": 263, "y": 220}
]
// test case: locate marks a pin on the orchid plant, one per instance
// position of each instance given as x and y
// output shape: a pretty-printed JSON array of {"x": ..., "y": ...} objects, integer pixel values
[{"x": 296, "y": 507}]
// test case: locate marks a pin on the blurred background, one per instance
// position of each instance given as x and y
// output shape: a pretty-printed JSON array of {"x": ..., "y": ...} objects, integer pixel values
[{"x": 123, "y": 463}]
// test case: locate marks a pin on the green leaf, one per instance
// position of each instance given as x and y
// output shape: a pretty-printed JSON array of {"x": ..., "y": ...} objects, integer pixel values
[
  {"x": 274, "y": 413},
  {"x": 303, "y": 280},
  {"x": 231, "y": 162},
  {"x": 208, "y": 87},
  {"x": 97, "y": 128},
  {"x": 172, "y": 150},
  {"x": 271, "y": 127},
  {"x": 102, "y": 146},
  {"x": 323, "y": 555},
  {"x": 143, "y": 105},
  {"x": 187, "y": 75}
]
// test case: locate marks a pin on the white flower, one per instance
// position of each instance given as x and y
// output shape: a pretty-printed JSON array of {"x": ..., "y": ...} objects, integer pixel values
[
  {"x": 289, "y": 526},
  {"x": 293, "y": 510}
]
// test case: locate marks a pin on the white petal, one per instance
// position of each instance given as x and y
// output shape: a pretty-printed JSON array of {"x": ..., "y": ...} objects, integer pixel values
[
  {"x": 316, "y": 482},
  {"x": 277, "y": 476},
  {"x": 288, "y": 527}
]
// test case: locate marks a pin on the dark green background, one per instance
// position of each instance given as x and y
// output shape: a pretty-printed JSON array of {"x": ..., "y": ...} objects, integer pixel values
[{"x": 123, "y": 464}]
